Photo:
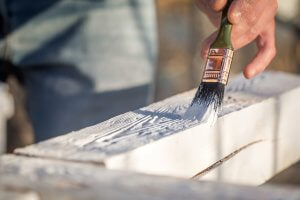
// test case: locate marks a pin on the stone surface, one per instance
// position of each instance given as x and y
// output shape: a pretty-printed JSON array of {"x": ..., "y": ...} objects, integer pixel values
[
  {"x": 264, "y": 108},
  {"x": 27, "y": 178}
]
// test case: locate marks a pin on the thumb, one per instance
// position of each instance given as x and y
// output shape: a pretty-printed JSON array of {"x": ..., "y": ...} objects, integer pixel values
[{"x": 217, "y": 5}]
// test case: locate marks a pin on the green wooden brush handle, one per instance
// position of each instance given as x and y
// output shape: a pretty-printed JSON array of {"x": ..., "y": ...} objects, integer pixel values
[{"x": 223, "y": 39}]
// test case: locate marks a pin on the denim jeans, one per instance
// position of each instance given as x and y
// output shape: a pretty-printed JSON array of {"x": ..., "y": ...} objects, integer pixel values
[{"x": 83, "y": 61}]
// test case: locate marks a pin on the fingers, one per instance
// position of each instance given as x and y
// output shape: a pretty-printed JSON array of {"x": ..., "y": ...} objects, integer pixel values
[
  {"x": 206, "y": 44},
  {"x": 243, "y": 34},
  {"x": 266, "y": 52},
  {"x": 217, "y": 5},
  {"x": 214, "y": 5},
  {"x": 212, "y": 9},
  {"x": 242, "y": 11},
  {"x": 252, "y": 20}
]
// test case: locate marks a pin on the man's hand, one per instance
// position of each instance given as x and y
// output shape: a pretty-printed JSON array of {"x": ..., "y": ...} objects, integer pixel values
[{"x": 252, "y": 20}]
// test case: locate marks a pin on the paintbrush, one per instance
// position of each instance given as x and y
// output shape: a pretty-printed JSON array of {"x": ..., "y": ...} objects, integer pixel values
[{"x": 209, "y": 96}]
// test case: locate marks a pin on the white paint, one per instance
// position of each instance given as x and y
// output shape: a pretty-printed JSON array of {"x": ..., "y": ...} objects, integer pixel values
[
  {"x": 191, "y": 151},
  {"x": 201, "y": 113},
  {"x": 246, "y": 106}
]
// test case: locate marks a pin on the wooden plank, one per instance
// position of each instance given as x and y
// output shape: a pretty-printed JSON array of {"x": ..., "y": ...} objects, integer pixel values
[
  {"x": 272, "y": 123},
  {"x": 265, "y": 108},
  {"x": 44, "y": 179},
  {"x": 11, "y": 194}
]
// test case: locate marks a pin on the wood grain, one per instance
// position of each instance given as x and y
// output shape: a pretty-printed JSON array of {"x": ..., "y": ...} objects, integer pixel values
[
  {"x": 41, "y": 179},
  {"x": 137, "y": 128},
  {"x": 274, "y": 121},
  {"x": 156, "y": 139}
]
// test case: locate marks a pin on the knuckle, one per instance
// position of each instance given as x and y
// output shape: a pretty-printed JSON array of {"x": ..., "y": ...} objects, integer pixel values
[
  {"x": 253, "y": 32},
  {"x": 251, "y": 18},
  {"x": 234, "y": 16}
]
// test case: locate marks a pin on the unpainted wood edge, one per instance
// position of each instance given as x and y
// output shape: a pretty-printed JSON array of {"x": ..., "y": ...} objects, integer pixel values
[{"x": 91, "y": 162}]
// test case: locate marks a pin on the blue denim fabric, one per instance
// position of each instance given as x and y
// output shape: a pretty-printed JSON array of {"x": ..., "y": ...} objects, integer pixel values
[{"x": 84, "y": 61}]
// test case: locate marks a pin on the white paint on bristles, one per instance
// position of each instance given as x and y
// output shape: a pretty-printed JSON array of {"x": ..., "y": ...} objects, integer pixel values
[{"x": 202, "y": 113}]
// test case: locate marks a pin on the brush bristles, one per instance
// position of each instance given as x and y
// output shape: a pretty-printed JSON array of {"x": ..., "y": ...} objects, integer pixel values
[{"x": 208, "y": 94}]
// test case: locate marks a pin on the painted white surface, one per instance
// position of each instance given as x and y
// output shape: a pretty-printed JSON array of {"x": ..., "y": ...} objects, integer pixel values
[
  {"x": 275, "y": 121},
  {"x": 157, "y": 140}
]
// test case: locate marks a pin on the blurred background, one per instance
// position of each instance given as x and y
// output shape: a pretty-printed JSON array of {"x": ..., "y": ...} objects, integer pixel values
[{"x": 182, "y": 28}]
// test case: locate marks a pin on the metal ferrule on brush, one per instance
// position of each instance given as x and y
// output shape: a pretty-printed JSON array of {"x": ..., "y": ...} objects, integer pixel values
[
  {"x": 209, "y": 96},
  {"x": 220, "y": 53},
  {"x": 218, "y": 65}
]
